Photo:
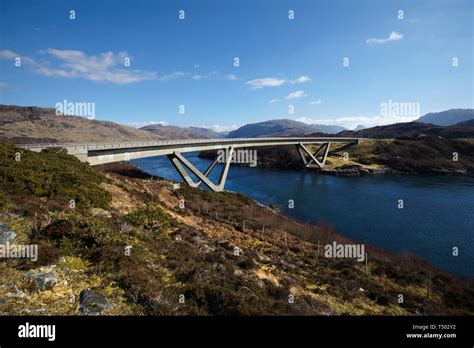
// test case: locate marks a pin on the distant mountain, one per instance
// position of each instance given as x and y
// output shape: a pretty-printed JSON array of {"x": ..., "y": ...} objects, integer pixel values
[
  {"x": 469, "y": 123},
  {"x": 329, "y": 129},
  {"x": 359, "y": 127},
  {"x": 411, "y": 129},
  {"x": 224, "y": 133},
  {"x": 281, "y": 127},
  {"x": 29, "y": 124},
  {"x": 448, "y": 117},
  {"x": 175, "y": 132},
  {"x": 207, "y": 133}
]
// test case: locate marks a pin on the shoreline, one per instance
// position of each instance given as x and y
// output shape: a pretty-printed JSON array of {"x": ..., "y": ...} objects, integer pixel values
[
  {"x": 427, "y": 155},
  {"x": 276, "y": 209},
  {"x": 360, "y": 170}
]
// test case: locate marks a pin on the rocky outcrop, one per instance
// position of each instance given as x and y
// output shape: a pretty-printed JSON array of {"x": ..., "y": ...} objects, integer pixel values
[
  {"x": 6, "y": 236},
  {"x": 42, "y": 278},
  {"x": 91, "y": 303}
]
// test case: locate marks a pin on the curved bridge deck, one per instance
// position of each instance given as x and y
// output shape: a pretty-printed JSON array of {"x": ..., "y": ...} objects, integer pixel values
[{"x": 103, "y": 153}]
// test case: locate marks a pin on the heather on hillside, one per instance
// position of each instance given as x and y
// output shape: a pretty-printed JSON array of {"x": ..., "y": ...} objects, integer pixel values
[
  {"x": 50, "y": 174},
  {"x": 139, "y": 251}
]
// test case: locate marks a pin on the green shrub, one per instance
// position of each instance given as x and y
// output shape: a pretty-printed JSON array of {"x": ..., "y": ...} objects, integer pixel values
[
  {"x": 151, "y": 217},
  {"x": 88, "y": 235},
  {"x": 77, "y": 235},
  {"x": 3, "y": 201},
  {"x": 51, "y": 173}
]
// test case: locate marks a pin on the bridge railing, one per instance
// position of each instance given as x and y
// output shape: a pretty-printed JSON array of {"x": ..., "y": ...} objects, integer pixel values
[{"x": 99, "y": 146}]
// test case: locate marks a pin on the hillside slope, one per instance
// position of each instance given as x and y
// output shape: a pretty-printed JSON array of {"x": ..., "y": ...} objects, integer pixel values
[
  {"x": 411, "y": 129},
  {"x": 175, "y": 132},
  {"x": 448, "y": 117},
  {"x": 194, "y": 260},
  {"x": 468, "y": 123},
  {"x": 418, "y": 155},
  {"x": 19, "y": 124},
  {"x": 282, "y": 127}
]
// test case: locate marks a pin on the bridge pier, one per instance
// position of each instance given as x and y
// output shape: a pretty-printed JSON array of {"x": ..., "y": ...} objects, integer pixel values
[
  {"x": 97, "y": 154},
  {"x": 180, "y": 163},
  {"x": 303, "y": 150}
]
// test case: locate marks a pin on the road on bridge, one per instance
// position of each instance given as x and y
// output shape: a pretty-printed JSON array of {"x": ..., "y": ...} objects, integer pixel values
[{"x": 96, "y": 154}]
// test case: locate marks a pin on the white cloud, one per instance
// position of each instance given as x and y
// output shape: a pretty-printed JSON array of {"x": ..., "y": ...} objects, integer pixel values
[
  {"x": 295, "y": 95},
  {"x": 265, "y": 82},
  {"x": 181, "y": 74},
  {"x": 315, "y": 102},
  {"x": 301, "y": 79},
  {"x": 105, "y": 67},
  {"x": 173, "y": 76},
  {"x": 220, "y": 128},
  {"x": 351, "y": 122},
  {"x": 7, "y": 54},
  {"x": 109, "y": 67},
  {"x": 275, "y": 82},
  {"x": 3, "y": 85},
  {"x": 392, "y": 37},
  {"x": 76, "y": 64},
  {"x": 274, "y": 101},
  {"x": 231, "y": 77}
]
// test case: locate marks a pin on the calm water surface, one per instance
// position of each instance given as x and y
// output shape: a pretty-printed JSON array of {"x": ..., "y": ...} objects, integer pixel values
[{"x": 438, "y": 212}]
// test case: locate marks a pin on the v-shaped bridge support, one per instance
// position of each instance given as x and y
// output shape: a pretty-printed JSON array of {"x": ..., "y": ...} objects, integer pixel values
[
  {"x": 313, "y": 157},
  {"x": 179, "y": 161}
]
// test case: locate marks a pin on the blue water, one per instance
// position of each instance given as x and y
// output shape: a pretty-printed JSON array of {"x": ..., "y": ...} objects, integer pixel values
[{"x": 438, "y": 212}]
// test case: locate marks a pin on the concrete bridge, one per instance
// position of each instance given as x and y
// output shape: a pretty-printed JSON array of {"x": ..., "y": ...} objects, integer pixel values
[{"x": 96, "y": 154}]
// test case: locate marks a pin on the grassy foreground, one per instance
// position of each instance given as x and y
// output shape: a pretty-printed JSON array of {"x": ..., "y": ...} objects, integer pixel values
[{"x": 145, "y": 248}]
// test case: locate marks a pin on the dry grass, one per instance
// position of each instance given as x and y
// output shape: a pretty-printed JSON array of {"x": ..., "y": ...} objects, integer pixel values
[{"x": 194, "y": 255}]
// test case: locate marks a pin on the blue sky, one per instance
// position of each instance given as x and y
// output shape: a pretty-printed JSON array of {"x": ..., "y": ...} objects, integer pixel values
[{"x": 283, "y": 62}]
